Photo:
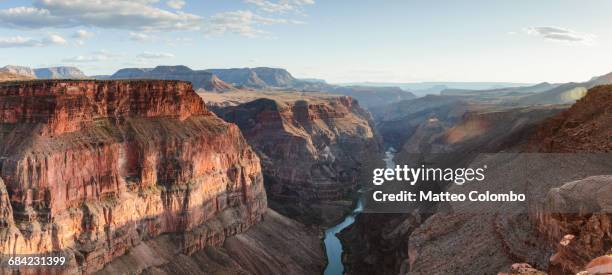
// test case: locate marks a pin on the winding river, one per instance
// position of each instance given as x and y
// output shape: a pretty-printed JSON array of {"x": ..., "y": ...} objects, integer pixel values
[{"x": 333, "y": 247}]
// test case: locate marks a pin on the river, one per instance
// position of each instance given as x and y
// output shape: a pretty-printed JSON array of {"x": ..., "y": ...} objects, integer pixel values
[{"x": 333, "y": 247}]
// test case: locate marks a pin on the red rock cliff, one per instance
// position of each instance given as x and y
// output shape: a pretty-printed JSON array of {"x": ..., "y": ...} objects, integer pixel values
[
  {"x": 314, "y": 149},
  {"x": 91, "y": 168}
]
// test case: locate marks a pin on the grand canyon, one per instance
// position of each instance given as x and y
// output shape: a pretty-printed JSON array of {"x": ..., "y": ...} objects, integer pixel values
[
  {"x": 307, "y": 137},
  {"x": 173, "y": 170}
]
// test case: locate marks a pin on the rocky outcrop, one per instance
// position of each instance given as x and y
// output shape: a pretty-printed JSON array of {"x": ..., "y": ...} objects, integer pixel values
[
  {"x": 199, "y": 79},
  {"x": 314, "y": 148},
  {"x": 94, "y": 168},
  {"x": 578, "y": 218},
  {"x": 585, "y": 127}
]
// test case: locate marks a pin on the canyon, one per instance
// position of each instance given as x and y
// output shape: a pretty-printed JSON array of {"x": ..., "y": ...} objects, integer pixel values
[
  {"x": 316, "y": 149},
  {"x": 109, "y": 173},
  {"x": 556, "y": 231},
  {"x": 146, "y": 176}
]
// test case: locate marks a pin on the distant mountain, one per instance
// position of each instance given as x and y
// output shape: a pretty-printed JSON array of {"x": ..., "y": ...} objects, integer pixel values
[
  {"x": 6, "y": 76},
  {"x": 313, "y": 80},
  {"x": 199, "y": 79},
  {"x": 19, "y": 70},
  {"x": 59, "y": 73},
  {"x": 281, "y": 79},
  {"x": 370, "y": 97},
  {"x": 425, "y": 88},
  {"x": 130, "y": 73},
  {"x": 541, "y": 87},
  {"x": 258, "y": 78},
  {"x": 566, "y": 93},
  {"x": 45, "y": 73},
  {"x": 601, "y": 80}
]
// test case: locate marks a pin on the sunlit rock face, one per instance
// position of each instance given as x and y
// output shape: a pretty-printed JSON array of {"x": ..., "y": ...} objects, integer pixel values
[{"x": 92, "y": 168}]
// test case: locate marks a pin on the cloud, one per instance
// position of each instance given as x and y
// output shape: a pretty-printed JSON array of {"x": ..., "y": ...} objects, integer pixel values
[
  {"x": 244, "y": 23},
  {"x": 97, "y": 56},
  {"x": 54, "y": 39},
  {"x": 19, "y": 41},
  {"x": 141, "y": 37},
  {"x": 144, "y": 37},
  {"x": 114, "y": 14},
  {"x": 280, "y": 6},
  {"x": 82, "y": 34},
  {"x": 176, "y": 4},
  {"x": 561, "y": 34},
  {"x": 152, "y": 55}
]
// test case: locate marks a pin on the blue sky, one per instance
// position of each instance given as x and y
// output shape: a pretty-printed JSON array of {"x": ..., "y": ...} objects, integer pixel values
[{"x": 339, "y": 40}]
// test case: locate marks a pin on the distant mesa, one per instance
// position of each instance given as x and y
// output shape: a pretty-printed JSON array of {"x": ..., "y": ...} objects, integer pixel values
[
  {"x": 62, "y": 72},
  {"x": 200, "y": 79},
  {"x": 372, "y": 97},
  {"x": 258, "y": 78},
  {"x": 59, "y": 73},
  {"x": 6, "y": 76}
]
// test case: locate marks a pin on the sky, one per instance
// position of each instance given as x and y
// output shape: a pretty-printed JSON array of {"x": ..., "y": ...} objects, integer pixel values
[{"x": 336, "y": 40}]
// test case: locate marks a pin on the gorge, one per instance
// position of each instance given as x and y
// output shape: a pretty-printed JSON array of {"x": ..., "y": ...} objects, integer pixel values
[{"x": 105, "y": 171}]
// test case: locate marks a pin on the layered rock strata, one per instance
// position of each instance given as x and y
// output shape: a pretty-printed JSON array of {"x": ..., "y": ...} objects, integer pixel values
[
  {"x": 93, "y": 168},
  {"x": 315, "y": 149}
]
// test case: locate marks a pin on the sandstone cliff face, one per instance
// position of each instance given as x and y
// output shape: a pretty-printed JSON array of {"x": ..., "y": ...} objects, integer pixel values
[
  {"x": 314, "y": 149},
  {"x": 92, "y": 168}
]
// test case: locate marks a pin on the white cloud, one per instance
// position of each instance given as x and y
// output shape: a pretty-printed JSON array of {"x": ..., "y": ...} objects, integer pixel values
[
  {"x": 115, "y": 14},
  {"x": 141, "y": 37},
  {"x": 55, "y": 39},
  {"x": 152, "y": 55},
  {"x": 244, "y": 23},
  {"x": 561, "y": 34},
  {"x": 280, "y": 6},
  {"x": 176, "y": 4},
  {"x": 19, "y": 41},
  {"x": 97, "y": 56},
  {"x": 82, "y": 34}
]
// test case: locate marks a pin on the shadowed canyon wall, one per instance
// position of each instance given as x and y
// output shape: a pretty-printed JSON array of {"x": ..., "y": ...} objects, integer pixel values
[
  {"x": 564, "y": 224},
  {"x": 314, "y": 150}
]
